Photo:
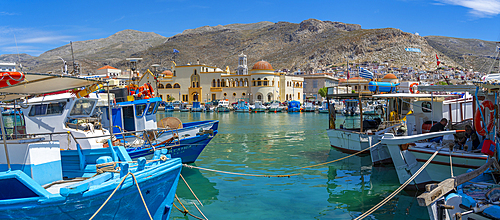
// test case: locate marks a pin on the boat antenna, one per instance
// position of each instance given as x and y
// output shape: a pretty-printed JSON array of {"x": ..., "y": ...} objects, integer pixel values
[
  {"x": 18, "y": 56},
  {"x": 76, "y": 68}
]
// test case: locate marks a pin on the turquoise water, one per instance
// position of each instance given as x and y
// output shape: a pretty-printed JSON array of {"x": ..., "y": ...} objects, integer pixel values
[{"x": 280, "y": 144}]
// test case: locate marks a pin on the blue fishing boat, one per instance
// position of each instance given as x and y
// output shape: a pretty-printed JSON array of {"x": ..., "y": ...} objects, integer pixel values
[
  {"x": 294, "y": 106},
  {"x": 41, "y": 181},
  {"x": 136, "y": 119},
  {"x": 242, "y": 106},
  {"x": 197, "y": 107}
]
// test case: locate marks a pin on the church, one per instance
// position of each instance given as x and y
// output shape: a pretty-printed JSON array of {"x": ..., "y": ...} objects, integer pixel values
[{"x": 202, "y": 83}]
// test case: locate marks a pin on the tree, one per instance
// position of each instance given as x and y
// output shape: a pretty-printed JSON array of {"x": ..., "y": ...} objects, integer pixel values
[
  {"x": 323, "y": 91},
  {"x": 170, "y": 98}
]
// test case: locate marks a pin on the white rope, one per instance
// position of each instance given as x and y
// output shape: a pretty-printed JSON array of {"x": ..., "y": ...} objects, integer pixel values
[{"x": 380, "y": 204}]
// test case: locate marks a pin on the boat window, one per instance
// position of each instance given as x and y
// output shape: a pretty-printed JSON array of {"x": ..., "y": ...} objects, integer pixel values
[
  {"x": 139, "y": 110},
  {"x": 38, "y": 110},
  {"x": 156, "y": 108},
  {"x": 47, "y": 109},
  {"x": 426, "y": 107},
  {"x": 55, "y": 108},
  {"x": 82, "y": 107},
  {"x": 128, "y": 112},
  {"x": 151, "y": 108}
]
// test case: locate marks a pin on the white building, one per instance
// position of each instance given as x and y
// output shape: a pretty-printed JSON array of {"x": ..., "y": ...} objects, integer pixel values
[{"x": 206, "y": 83}]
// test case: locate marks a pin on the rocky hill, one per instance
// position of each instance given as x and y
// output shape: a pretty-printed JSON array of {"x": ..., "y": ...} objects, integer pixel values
[
  {"x": 470, "y": 53},
  {"x": 310, "y": 45}
]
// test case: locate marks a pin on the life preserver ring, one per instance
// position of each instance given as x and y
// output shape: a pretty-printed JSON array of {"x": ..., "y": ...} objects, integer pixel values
[
  {"x": 10, "y": 78},
  {"x": 151, "y": 91},
  {"x": 478, "y": 121},
  {"x": 411, "y": 88}
]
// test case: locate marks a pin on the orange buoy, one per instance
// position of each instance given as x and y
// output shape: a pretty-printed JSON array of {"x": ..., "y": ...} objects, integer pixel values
[{"x": 10, "y": 78}]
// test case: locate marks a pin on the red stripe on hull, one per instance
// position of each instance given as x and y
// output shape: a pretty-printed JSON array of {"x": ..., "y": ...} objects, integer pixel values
[{"x": 447, "y": 155}]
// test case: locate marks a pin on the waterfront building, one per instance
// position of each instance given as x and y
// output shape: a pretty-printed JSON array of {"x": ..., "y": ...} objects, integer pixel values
[
  {"x": 109, "y": 71},
  {"x": 314, "y": 82},
  {"x": 203, "y": 83}
]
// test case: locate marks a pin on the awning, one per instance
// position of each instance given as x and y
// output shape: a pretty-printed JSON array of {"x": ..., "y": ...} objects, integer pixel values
[
  {"x": 448, "y": 88},
  {"x": 40, "y": 83},
  {"x": 409, "y": 95}
]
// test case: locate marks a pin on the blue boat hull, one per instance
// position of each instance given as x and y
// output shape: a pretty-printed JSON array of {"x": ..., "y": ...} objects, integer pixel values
[
  {"x": 188, "y": 150},
  {"x": 158, "y": 185}
]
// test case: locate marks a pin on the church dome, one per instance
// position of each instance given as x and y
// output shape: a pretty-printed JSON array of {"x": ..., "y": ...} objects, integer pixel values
[
  {"x": 262, "y": 65},
  {"x": 390, "y": 76}
]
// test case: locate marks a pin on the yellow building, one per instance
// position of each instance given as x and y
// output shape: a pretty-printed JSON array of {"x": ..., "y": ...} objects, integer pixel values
[{"x": 205, "y": 83}]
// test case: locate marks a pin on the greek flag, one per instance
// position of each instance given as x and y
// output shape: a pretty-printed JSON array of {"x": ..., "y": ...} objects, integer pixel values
[{"x": 365, "y": 73}]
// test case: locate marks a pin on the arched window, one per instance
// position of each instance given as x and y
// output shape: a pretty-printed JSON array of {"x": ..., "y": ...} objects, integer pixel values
[
  {"x": 259, "y": 97},
  {"x": 218, "y": 82},
  {"x": 194, "y": 71},
  {"x": 213, "y": 83},
  {"x": 269, "y": 97},
  {"x": 160, "y": 86},
  {"x": 259, "y": 83},
  {"x": 168, "y": 86},
  {"x": 286, "y": 96},
  {"x": 195, "y": 79},
  {"x": 237, "y": 83},
  {"x": 246, "y": 82},
  {"x": 174, "y": 73},
  {"x": 177, "y": 86},
  {"x": 265, "y": 82},
  {"x": 253, "y": 80}
]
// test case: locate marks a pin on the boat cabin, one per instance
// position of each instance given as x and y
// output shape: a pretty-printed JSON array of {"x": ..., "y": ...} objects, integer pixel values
[{"x": 135, "y": 115}]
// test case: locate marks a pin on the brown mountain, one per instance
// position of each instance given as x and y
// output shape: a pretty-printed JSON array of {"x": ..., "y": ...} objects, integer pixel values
[{"x": 310, "y": 45}]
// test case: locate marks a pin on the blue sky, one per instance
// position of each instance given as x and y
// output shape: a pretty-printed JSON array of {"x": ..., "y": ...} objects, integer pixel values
[{"x": 41, "y": 25}]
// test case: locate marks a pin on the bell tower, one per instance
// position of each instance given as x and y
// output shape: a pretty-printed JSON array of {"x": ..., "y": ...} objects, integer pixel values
[{"x": 242, "y": 65}]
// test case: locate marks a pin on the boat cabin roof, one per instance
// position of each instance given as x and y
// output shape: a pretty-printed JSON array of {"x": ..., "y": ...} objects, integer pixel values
[{"x": 410, "y": 95}]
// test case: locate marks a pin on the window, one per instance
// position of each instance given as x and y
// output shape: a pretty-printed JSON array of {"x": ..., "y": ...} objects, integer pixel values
[
  {"x": 151, "y": 108},
  {"x": 160, "y": 86},
  {"x": 139, "y": 110},
  {"x": 243, "y": 94},
  {"x": 315, "y": 83},
  {"x": 426, "y": 107},
  {"x": 177, "y": 86},
  {"x": 185, "y": 98},
  {"x": 168, "y": 86},
  {"x": 234, "y": 94},
  {"x": 82, "y": 107},
  {"x": 47, "y": 109},
  {"x": 298, "y": 95},
  {"x": 213, "y": 83},
  {"x": 174, "y": 73},
  {"x": 225, "y": 94},
  {"x": 259, "y": 97}
]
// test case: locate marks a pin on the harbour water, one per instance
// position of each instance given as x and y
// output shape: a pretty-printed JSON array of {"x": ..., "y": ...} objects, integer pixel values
[{"x": 281, "y": 144}]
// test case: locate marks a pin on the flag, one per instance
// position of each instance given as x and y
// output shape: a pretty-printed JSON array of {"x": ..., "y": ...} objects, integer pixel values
[
  {"x": 176, "y": 51},
  {"x": 365, "y": 73},
  {"x": 437, "y": 58},
  {"x": 348, "y": 75}
]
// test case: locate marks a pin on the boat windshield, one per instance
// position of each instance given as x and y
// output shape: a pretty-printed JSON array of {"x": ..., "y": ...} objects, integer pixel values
[
  {"x": 82, "y": 107},
  {"x": 151, "y": 108},
  {"x": 139, "y": 110}
]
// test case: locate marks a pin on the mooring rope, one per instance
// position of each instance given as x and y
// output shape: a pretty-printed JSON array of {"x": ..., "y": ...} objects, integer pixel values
[
  {"x": 342, "y": 157},
  {"x": 240, "y": 174},
  {"x": 398, "y": 190},
  {"x": 118, "y": 186},
  {"x": 191, "y": 189},
  {"x": 199, "y": 211},
  {"x": 185, "y": 212}
]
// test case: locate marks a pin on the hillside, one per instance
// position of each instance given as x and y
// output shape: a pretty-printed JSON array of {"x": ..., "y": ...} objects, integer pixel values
[
  {"x": 309, "y": 45},
  {"x": 469, "y": 53}
]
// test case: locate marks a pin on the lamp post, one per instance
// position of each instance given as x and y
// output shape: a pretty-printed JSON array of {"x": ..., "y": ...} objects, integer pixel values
[{"x": 155, "y": 66}]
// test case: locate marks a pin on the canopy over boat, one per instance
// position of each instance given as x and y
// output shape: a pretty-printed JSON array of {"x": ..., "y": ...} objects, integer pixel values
[
  {"x": 448, "y": 88},
  {"x": 39, "y": 83}
]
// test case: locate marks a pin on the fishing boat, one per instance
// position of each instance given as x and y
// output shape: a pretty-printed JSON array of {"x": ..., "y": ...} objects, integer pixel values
[
  {"x": 275, "y": 107},
  {"x": 258, "y": 107},
  {"x": 409, "y": 152},
  {"x": 351, "y": 107},
  {"x": 309, "y": 107},
  {"x": 293, "y": 106},
  {"x": 197, "y": 107},
  {"x": 222, "y": 106},
  {"x": 168, "y": 107},
  {"x": 183, "y": 107},
  {"x": 242, "y": 106},
  {"x": 38, "y": 176},
  {"x": 324, "y": 107}
]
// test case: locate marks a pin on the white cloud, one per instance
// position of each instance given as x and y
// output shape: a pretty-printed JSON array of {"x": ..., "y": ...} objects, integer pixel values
[
  {"x": 46, "y": 39},
  {"x": 7, "y": 13},
  {"x": 480, "y": 8}
]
